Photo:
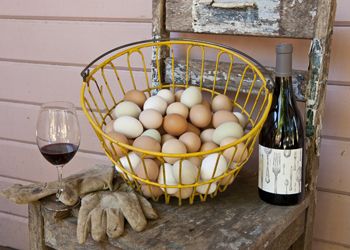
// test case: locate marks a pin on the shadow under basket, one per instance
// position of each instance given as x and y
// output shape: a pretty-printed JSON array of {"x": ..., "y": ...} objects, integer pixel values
[{"x": 176, "y": 64}]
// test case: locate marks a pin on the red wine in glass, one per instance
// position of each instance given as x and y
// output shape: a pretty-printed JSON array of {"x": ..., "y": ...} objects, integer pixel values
[
  {"x": 59, "y": 153},
  {"x": 58, "y": 135}
]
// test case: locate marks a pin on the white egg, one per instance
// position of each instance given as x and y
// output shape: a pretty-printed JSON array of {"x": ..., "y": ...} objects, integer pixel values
[
  {"x": 202, "y": 189},
  {"x": 191, "y": 96},
  {"x": 128, "y": 126},
  {"x": 208, "y": 166},
  {"x": 169, "y": 179},
  {"x": 227, "y": 129},
  {"x": 128, "y": 162},
  {"x": 156, "y": 103},
  {"x": 153, "y": 133},
  {"x": 126, "y": 108},
  {"x": 167, "y": 95},
  {"x": 242, "y": 118},
  {"x": 207, "y": 135},
  {"x": 189, "y": 172}
]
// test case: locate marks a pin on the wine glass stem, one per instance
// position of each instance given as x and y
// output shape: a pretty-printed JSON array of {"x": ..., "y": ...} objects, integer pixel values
[{"x": 59, "y": 175}]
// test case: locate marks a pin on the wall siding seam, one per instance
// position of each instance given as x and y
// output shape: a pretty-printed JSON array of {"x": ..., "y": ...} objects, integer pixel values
[
  {"x": 77, "y": 19},
  {"x": 12, "y": 214},
  {"x": 331, "y": 242},
  {"x": 333, "y": 191},
  {"x": 34, "y": 144},
  {"x": 82, "y": 66},
  {"x": 335, "y": 138}
]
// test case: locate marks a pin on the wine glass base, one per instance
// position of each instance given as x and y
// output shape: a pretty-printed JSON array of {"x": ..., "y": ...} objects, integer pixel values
[{"x": 52, "y": 204}]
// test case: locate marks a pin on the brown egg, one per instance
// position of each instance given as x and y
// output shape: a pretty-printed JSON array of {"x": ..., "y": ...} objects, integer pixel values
[
  {"x": 191, "y": 141},
  {"x": 208, "y": 146},
  {"x": 200, "y": 116},
  {"x": 151, "y": 191},
  {"x": 151, "y": 118},
  {"x": 167, "y": 137},
  {"x": 119, "y": 138},
  {"x": 173, "y": 146},
  {"x": 175, "y": 124},
  {"x": 109, "y": 127},
  {"x": 240, "y": 154},
  {"x": 223, "y": 116},
  {"x": 147, "y": 143},
  {"x": 149, "y": 170},
  {"x": 227, "y": 180},
  {"x": 206, "y": 103},
  {"x": 221, "y": 102},
  {"x": 178, "y": 95},
  {"x": 185, "y": 193},
  {"x": 177, "y": 108},
  {"x": 195, "y": 160},
  {"x": 192, "y": 128},
  {"x": 135, "y": 96}
]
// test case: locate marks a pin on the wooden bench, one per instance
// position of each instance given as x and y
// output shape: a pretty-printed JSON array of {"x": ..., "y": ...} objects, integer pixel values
[{"x": 237, "y": 218}]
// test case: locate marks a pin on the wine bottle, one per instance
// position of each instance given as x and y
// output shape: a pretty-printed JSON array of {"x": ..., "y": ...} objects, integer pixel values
[{"x": 281, "y": 140}]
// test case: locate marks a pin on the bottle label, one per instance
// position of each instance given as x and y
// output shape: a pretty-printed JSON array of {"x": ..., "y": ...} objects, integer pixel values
[{"x": 280, "y": 170}]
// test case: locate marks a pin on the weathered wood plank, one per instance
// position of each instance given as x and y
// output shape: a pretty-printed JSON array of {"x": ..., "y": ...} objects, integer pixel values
[
  {"x": 235, "y": 219},
  {"x": 319, "y": 58},
  {"x": 286, "y": 18},
  {"x": 299, "y": 76},
  {"x": 36, "y": 226}
]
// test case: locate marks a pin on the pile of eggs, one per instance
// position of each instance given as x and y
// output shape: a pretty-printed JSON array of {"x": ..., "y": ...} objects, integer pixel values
[{"x": 177, "y": 123}]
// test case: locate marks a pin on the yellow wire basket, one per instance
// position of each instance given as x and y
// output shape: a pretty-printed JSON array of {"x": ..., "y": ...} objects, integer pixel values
[{"x": 176, "y": 64}]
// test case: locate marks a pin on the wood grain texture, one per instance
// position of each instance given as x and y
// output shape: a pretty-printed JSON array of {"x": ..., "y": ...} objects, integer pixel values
[
  {"x": 36, "y": 226},
  {"x": 81, "y": 9},
  {"x": 332, "y": 221},
  {"x": 299, "y": 77},
  {"x": 266, "y": 18},
  {"x": 14, "y": 231},
  {"x": 24, "y": 161},
  {"x": 66, "y": 42},
  {"x": 249, "y": 223}
]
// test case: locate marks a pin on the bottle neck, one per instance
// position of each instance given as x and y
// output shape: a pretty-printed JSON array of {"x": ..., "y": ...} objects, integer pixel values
[{"x": 284, "y": 87}]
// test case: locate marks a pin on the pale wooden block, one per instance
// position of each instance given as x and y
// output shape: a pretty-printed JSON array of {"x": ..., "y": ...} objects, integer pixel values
[
  {"x": 92, "y": 9},
  {"x": 14, "y": 231},
  {"x": 8, "y": 206},
  {"x": 337, "y": 116},
  {"x": 70, "y": 42},
  {"x": 24, "y": 161},
  {"x": 334, "y": 173},
  {"x": 320, "y": 245},
  {"x": 332, "y": 222}
]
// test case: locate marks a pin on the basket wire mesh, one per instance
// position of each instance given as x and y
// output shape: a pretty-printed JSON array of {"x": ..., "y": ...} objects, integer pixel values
[{"x": 176, "y": 64}]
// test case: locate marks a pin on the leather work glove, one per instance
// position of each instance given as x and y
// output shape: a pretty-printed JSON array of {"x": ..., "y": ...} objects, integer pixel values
[
  {"x": 74, "y": 186},
  {"x": 102, "y": 213}
]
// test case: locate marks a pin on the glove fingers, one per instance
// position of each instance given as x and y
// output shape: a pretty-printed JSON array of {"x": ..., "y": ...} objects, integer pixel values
[
  {"x": 131, "y": 209},
  {"x": 83, "y": 227},
  {"x": 115, "y": 222},
  {"x": 147, "y": 208},
  {"x": 98, "y": 224}
]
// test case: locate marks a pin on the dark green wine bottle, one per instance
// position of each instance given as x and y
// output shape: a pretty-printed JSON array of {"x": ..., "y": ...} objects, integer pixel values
[{"x": 281, "y": 141}]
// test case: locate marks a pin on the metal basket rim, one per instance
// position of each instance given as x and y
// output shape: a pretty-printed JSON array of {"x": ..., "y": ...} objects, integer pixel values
[{"x": 85, "y": 73}]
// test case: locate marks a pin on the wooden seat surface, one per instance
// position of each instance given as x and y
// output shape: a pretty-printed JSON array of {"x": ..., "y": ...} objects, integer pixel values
[{"x": 235, "y": 219}]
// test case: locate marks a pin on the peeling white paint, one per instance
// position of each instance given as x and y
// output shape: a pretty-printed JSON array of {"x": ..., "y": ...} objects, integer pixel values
[{"x": 266, "y": 21}]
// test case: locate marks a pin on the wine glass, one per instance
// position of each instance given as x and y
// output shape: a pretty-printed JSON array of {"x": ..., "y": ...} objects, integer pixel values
[{"x": 58, "y": 135}]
